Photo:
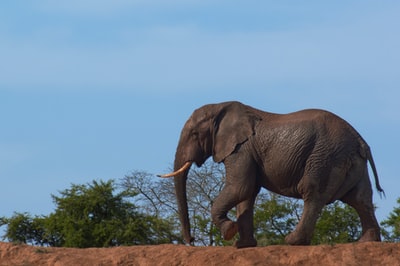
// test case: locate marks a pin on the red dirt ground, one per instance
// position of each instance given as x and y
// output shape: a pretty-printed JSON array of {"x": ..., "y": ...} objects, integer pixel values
[{"x": 341, "y": 254}]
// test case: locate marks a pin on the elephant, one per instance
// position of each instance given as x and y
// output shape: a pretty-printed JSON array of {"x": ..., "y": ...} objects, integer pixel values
[{"x": 312, "y": 155}]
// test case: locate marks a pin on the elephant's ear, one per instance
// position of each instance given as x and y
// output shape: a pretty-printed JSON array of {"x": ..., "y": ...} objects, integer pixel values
[{"x": 232, "y": 126}]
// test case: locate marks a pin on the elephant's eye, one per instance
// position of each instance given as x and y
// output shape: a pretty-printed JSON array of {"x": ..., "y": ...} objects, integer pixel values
[{"x": 195, "y": 135}]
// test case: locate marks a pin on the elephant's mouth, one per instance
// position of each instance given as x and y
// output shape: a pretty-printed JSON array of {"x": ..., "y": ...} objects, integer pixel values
[{"x": 179, "y": 171}]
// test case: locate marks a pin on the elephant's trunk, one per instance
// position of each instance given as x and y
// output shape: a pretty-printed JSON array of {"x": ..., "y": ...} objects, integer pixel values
[{"x": 180, "y": 191}]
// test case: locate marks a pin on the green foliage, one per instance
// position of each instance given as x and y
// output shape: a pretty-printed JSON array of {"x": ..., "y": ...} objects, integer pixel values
[
  {"x": 89, "y": 215},
  {"x": 338, "y": 223},
  {"x": 20, "y": 228},
  {"x": 274, "y": 217},
  {"x": 143, "y": 211},
  {"x": 391, "y": 226}
]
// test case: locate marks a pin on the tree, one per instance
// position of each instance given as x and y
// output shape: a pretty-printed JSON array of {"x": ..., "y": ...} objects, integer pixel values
[
  {"x": 275, "y": 216},
  {"x": 157, "y": 198},
  {"x": 90, "y": 215},
  {"x": 203, "y": 185},
  {"x": 87, "y": 215},
  {"x": 391, "y": 226},
  {"x": 22, "y": 228},
  {"x": 153, "y": 196},
  {"x": 338, "y": 223}
]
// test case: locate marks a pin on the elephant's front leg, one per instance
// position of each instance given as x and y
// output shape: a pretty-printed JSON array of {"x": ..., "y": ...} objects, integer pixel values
[
  {"x": 230, "y": 197},
  {"x": 240, "y": 190},
  {"x": 226, "y": 200},
  {"x": 244, "y": 225}
]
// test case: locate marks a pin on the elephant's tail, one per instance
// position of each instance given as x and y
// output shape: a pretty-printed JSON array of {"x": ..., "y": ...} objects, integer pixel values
[{"x": 368, "y": 154}]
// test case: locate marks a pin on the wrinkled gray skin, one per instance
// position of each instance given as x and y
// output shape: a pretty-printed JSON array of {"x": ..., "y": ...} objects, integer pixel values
[{"x": 312, "y": 155}]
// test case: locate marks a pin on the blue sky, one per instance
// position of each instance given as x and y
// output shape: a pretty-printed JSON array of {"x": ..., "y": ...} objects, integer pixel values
[{"x": 97, "y": 89}]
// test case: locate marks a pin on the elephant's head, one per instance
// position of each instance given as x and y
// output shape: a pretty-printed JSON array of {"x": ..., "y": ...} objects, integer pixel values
[{"x": 215, "y": 129}]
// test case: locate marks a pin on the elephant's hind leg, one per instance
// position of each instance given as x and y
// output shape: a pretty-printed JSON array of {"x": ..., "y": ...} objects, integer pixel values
[
  {"x": 360, "y": 198},
  {"x": 303, "y": 233},
  {"x": 313, "y": 205},
  {"x": 317, "y": 189}
]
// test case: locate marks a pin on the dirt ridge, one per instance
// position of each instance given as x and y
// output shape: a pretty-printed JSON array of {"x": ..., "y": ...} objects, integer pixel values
[{"x": 341, "y": 254}]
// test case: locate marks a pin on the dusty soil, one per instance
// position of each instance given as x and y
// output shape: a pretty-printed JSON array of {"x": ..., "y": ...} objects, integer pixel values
[{"x": 343, "y": 254}]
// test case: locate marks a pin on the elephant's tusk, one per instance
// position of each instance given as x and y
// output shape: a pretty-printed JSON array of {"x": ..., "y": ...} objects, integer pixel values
[{"x": 177, "y": 172}]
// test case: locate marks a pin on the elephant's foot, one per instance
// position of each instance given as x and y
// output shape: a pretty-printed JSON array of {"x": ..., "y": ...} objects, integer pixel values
[
  {"x": 245, "y": 243},
  {"x": 295, "y": 238},
  {"x": 229, "y": 230},
  {"x": 371, "y": 235}
]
